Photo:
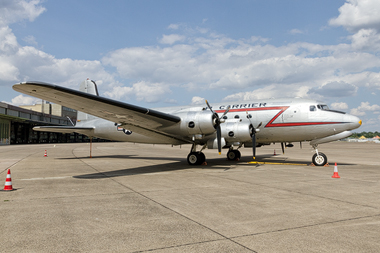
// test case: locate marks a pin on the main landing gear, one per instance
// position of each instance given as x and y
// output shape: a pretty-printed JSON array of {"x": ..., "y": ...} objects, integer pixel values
[
  {"x": 319, "y": 159},
  {"x": 198, "y": 157},
  {"x": 233, "y": 154}
]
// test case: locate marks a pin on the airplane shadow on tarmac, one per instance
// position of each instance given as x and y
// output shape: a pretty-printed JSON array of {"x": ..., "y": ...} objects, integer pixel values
[{"x": 175, "y": 164}]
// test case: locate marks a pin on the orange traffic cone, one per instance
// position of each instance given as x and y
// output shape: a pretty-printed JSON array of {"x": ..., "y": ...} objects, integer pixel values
[
  {"x": 274, "y": 152},
  {"x": 45, "y": 153},
  {"x": 336, "y": 175},
  {"x": 8, "y": 182}
]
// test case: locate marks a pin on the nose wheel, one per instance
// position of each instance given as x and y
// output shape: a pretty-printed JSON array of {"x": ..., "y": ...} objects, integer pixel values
[{"x": 319, "y": 159}]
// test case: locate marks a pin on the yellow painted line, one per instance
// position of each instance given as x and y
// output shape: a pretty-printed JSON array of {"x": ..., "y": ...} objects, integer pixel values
[{"x": 273, "y": 163}]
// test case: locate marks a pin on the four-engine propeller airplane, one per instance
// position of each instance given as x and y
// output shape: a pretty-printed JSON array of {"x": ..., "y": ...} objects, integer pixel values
[{"x": 224, "y": 125}]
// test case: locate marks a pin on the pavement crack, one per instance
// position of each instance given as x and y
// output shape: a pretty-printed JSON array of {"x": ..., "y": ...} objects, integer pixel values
[
  {"x": 308, "y": 226},
  {"x": 166, "y": 207},
  {"x": 293, "y": 191}
]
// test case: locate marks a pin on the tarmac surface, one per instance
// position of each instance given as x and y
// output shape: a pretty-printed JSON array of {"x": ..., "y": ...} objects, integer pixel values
[{"x": 146, "y": 198}]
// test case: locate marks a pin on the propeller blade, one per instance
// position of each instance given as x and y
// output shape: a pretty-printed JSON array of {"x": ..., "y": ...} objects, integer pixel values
[
  {"x": 219, "y": 138},
  {"x": 282, "y": 147},
  {"x": 209, "y": 107},
  {"x": 217, "y": 126},
  {"x": 254, "y": 144},
  {"x": 226, "y": 111}
]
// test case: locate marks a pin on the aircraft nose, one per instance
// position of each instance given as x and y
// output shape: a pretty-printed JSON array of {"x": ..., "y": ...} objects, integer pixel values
[{"x": 355, "y": 121}]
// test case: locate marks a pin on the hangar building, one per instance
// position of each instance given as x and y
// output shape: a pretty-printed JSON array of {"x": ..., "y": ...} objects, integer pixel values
[{"x": 16, "y": 124}]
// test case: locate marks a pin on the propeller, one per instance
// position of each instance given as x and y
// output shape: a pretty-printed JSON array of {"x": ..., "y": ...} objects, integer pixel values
[
  {"x": 217, "y": 121},
  {"x": 253, "y": 132},
  {"x": 282, "y": 147}
]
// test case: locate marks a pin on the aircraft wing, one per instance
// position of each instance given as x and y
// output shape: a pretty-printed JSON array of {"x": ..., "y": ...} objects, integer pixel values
[
  {"x": 89, "y": 131},
  {"x": 112, "y": 110}
]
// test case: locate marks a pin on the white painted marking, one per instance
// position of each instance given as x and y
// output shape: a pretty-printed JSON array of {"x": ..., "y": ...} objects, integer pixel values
[{"x": 42, "y": 178}]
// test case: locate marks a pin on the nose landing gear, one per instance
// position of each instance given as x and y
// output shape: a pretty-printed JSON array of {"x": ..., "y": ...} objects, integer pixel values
[{"x": 319, "y": 159}]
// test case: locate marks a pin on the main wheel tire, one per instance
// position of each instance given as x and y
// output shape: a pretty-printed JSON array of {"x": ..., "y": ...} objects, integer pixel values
[
  {"x": 320, "y": 159},
  {"x": 202, "y": 158},
  {"x": 238, "y": 154},
  {"x": 232, "y": 155},
  {"x": 196, "y": 158}
]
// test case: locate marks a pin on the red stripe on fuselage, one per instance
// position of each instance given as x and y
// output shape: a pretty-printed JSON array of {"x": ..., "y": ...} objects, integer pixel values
[
  {"x": 282, "y": 109},
  {"x": 255, "y": 109}
]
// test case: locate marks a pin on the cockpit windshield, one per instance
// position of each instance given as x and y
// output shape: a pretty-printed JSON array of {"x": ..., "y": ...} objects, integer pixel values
[{"x": 323, "y": 107}]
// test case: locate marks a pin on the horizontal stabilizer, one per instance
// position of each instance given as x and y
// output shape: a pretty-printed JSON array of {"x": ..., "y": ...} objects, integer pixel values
[{"x": 89, "y": 131}]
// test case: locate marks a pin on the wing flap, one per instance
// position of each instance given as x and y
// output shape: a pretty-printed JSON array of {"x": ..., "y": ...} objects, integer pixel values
[{"x": 89, "y": 131}]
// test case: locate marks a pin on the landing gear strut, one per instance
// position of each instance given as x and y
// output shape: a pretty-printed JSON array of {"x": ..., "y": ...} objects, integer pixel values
[{"x": 319, "y": 159}]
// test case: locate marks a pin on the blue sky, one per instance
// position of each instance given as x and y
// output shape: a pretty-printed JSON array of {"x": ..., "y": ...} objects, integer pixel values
[{"x": 165, "y": 53}]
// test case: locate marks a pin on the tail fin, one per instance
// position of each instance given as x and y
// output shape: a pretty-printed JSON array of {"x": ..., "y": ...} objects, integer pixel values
[{"x": 87, "y": 86}]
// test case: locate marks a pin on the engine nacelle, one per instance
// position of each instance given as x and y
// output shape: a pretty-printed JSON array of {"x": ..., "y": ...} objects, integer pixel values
[
  {"x": 236, "y": 131},
  {"x": 195, "y": 122}
]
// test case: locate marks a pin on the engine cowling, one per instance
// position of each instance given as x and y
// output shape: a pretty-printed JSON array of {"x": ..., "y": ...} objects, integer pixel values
[
  {"x": 195, "y": 122},
  {"x": 236, "y": 131}
]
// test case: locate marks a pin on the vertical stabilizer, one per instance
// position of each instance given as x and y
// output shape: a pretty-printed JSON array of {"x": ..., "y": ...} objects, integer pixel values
[{"x": 87, "y": 86}]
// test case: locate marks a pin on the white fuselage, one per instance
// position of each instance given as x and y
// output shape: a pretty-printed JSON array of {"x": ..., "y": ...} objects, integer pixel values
[{"x": 282, "y": 120}]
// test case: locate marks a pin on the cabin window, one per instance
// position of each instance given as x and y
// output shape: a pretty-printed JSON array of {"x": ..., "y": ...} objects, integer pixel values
[
  {"x": 313, "y": 108},
  {"x": 236, "y": 117},
  {"x": 323, "y": 107}
]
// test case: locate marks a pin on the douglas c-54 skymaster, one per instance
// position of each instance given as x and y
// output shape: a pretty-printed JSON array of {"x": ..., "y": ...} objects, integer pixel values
[{"x": 227, "y": 125}]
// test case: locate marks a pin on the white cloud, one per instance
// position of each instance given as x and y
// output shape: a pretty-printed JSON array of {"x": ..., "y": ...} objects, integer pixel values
[
  {"x": 357, "y": 112},
  {"x": 8, "y": 41},
  {"x": 142, "y": 91},
  {"x": 8, "y": 72},
  {"x": 198, "y": 101},
  {"x": 12, "y": 11},
  {"x": 217, "y": 62},
  {"x": 24, "y": 100},
  {"x": 363, "y": 19},
  {"x": 119, "y": 92},
  {"x": 335, "y": 89},
  {"x": 30, "y": 40},
  {"x": 270, "y": 91},
  {"x": 363, "y": 108},
  {"x": 296, "y": 31},
  {"x": 339, "y": 106},
  {"x": 19, "y": 63},
  {"x": 366, "y": 39},
  {"x": 358, "y": 14},
  {"x": 173, "y": 26},
  {"x": 171, "y": 39}
]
